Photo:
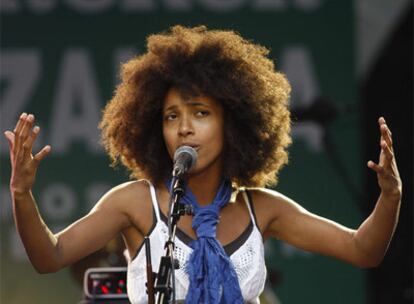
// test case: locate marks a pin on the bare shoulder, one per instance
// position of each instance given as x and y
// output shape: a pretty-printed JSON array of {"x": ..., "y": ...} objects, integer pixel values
[
  {"x": 270, "y": 206},
  {"x": 126, "y": 196},
  {"x": 263, "y": 197}
]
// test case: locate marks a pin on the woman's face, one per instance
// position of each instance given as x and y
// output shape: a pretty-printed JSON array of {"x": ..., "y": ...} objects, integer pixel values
[{"x": 196, "y": 122}]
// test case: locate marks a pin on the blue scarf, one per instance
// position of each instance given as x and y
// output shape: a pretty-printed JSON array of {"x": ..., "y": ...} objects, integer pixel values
[{"x": 213, "y": 279}]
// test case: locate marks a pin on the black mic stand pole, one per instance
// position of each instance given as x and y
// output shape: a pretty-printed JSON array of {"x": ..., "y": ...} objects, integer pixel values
[{"x": 165, "y": 279}]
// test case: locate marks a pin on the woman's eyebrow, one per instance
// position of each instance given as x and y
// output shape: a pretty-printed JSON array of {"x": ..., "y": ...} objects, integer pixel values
[
  {"x": 193, "y": 103},
  {"x": 169, "y": 108},
  {"x": 196, "y": 103}
]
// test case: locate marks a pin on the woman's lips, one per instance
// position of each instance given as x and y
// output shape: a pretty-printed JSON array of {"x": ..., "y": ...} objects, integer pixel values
[{"x": 194, "y": 146}]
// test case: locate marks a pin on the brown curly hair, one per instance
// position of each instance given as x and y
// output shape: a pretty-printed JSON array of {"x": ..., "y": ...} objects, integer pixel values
[{"x": 216, "y": 63}]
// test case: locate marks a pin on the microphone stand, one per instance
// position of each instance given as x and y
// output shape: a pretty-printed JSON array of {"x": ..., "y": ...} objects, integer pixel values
[{"x": 165, "y": 279}]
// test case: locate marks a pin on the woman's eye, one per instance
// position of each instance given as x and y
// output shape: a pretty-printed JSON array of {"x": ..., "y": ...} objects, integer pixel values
[
  {"x": 171, "y": 116},
  {"x": 202, "y": 113}
]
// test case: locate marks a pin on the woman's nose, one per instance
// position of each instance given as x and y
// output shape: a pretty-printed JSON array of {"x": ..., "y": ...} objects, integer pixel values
[{"x": 186, "y": 127}]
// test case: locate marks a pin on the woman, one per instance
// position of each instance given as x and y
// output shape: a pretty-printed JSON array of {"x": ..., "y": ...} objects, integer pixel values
[{"x": 220, "y": 94}]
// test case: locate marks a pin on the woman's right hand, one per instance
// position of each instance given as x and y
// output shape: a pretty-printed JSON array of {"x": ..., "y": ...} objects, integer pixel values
[{"x": 23, "y": 163}]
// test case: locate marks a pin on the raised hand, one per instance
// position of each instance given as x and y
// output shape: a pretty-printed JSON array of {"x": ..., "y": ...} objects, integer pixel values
[
  {"x": 23, "y": 163},
  {"x": 387, "y": 172}
]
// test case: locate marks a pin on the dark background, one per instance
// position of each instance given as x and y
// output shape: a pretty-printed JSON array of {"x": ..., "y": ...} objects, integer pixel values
[{"x": 389, "y": 89}]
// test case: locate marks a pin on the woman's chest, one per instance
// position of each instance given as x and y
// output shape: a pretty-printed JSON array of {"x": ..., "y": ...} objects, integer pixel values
[{"x": 231, "y": 223}]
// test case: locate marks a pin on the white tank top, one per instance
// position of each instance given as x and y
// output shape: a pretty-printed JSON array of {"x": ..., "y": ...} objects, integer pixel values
[{"x": 246, "y": 254}]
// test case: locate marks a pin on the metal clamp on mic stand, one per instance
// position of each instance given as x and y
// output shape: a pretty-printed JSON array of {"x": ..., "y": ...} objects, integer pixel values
[{"x": 164, "y": 291}]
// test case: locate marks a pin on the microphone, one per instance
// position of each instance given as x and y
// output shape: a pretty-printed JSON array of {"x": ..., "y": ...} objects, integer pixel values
[{"x": 184, "y": 158}]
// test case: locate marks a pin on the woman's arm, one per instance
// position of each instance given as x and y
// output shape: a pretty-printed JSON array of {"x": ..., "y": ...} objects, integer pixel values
[
  {"x": 46, "y": 251},
  {"x": 375, "y": 233},
  {"x": 50, "y": 252},
  {"x": 364, "y": 247}
]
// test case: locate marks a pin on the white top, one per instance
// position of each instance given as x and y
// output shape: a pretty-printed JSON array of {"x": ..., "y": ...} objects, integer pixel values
[{"x": 246, "y": 253}]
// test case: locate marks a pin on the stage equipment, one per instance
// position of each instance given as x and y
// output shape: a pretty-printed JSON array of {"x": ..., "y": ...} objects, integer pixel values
[{"x": 105, "y": 285}]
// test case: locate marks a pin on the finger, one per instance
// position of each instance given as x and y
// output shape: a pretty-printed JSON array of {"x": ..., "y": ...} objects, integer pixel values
[
  {"x": 386, "y": 135},
  {"x": 377, "y": 168},
  {"x": 389, "y": 155},
  {"x": 10, "y": 138},
  {"x": 386, "y": 130},
  {"x": 19, "y": 123},
  {"x": 42, "y": 154},
  {"x": 18, "y": 128},
  {"x": 28, "y": 144},
  {"x": 27, "y": 127},
  {"x": 22, "y": 135}
]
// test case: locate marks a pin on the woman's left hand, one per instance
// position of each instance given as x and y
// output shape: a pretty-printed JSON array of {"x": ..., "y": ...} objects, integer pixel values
[{"x": 387, "y": 172}]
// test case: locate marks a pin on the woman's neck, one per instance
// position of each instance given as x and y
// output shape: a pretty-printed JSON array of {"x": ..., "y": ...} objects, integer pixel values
[{"x": 205, "y": 186}]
